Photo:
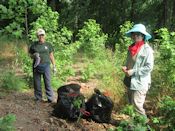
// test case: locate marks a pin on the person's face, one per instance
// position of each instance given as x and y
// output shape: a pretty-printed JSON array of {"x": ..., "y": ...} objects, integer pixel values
[
  {"x": 41, "y": 38},
  {"x": 137, "y": 36}
]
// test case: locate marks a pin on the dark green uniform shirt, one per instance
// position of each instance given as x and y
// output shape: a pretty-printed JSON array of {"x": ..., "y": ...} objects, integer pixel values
[{"x": 44, "y": 50}]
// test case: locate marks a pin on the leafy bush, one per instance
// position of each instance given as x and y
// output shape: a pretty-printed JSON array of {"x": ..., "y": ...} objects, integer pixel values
[
  {"x": 92, "y": 39},
  {"x": 167, "y": 109},
  {"x": 43, "y": 21},
  {"x": 166, "y": 54},
  {"x": 106, "y": 72},
  {"x": 136, "y": 122},
  {"x": 10, "y": 81},
  {"x": 128, "y": 110},
  {"x": 6, "y": 123},
  {"x": 123, "y": 40},
  {"x": 23, "y": 60},
  {"x": 88, "y": 72},
  {"x": 17, "y": 13}
]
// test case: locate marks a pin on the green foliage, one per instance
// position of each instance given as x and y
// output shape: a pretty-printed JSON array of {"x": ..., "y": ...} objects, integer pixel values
[
  {"x": 57, "y": 81},
  {"x": 6, "y": 123},
  {"x": 123, "y": 40},
  {"x": 167, "y": 109},
  {"x": 64, "y": 60},
  {"x": 116, "y": 12},
  {"x": 77, "y": 10},
  {"x": 166, "y": 54},
  {"x": 92, "y": 39},
  {"x": 17, "y": 12},
  {"x": 78, "y": 102},
  {"x": 108, "y": 72},
  {"x": 128, "y": 110},
  {"x": 136, "y": 122},
  {"x": 23, "y": 60},
  {"x": 48, "y": 20},
  {"x": 88, "y": 72},
  {"x": 155, "y": 120},
  {"x": 105, "y": 71},
  {"x": 11, "y": 82}
]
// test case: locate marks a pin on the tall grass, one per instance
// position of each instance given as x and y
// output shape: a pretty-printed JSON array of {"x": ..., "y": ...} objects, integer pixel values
[
  {"x": 10, "y": 81},
  {"x": 9, "y": 65},
  {"x": 105, "y": 68}
]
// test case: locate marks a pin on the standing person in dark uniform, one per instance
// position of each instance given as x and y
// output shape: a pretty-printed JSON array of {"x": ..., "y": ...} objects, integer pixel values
[{"x": 42, "y": 54}]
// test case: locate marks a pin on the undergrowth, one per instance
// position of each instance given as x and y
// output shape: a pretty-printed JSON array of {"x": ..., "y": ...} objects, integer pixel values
[{"x": 6, "y": 123}]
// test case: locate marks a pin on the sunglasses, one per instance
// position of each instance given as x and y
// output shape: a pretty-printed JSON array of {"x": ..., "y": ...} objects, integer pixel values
[
  {"x": 41, "y": 35},
  {"x": 137, "y": 34}
]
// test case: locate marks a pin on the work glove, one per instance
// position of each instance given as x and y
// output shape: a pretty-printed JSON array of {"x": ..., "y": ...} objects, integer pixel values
[
  {"x": 54, "y": 69},
  {"x": 37, "y": 59}
]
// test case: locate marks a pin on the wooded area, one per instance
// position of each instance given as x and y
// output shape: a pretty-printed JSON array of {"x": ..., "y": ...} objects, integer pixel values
[
  {"x": 90, "y": 47},
  {"x": 110, "y": 14}
]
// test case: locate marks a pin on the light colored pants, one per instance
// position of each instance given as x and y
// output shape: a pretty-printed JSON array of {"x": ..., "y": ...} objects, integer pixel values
[{"x": 137, "y": 99}]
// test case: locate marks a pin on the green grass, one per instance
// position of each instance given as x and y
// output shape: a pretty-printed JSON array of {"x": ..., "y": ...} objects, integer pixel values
[{"x": 6, "y": 123}]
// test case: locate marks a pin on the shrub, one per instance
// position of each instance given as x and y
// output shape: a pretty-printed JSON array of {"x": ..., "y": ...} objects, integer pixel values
[
  {"x": 6, "y": 123},
  {"x": 17, "y": 13},
  {"x": 166, "y": 53},
  {"x": 92, "y": 38},
  {"x": 167, "y": 108},
  {"x": 136, "y": 122},
  {"x": 88, "y": 72},
  {"x": 11, "y": 82},
  {"x": 123, "y": 40}
]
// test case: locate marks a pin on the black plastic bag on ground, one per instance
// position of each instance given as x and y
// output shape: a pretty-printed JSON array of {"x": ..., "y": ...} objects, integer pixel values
[
  {"x": 70, "y": 102},
  {"x": 100, "y": 107}
]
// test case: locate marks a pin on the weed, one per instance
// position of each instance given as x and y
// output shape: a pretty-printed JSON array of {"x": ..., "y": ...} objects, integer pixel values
[
  {"x": 11, "y": 82},
  {"x": 6, "y": 123}
]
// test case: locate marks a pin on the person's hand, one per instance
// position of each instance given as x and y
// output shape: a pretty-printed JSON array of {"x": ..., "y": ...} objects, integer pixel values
[
  {"x": 37, "y": 59},
  {"x": 127, "y": 73},
  {"x": 36, "y": 55},
  {"x": 54, "y": 69},
  {"x": 124, "y": 69}
]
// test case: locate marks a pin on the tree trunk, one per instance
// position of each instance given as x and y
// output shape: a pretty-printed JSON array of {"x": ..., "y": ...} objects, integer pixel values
[
  {"x": 52, "y": 4},
  {"x": 165, "y": 13},
  {"x": 173, "y": 16},
  {"x": 26, "y": 22},
  {"x": 133, "y": 9}
]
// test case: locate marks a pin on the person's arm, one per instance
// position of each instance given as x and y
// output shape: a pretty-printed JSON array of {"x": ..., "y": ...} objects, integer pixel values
[
  {"x": 52, "y": 59},
  {"x": 53, "y": 62}
]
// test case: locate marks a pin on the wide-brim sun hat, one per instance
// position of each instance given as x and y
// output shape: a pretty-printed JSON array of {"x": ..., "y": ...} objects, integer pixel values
[
  {"x": 139, "y": 28},
  {"x": 40, "y": 32}
]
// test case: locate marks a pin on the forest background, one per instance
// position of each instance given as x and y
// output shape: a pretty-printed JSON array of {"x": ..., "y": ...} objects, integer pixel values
[{"x": 93, "y": 31}]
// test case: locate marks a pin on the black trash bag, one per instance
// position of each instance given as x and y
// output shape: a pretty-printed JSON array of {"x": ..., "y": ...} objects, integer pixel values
[
  {"x": 70, "y": 102},
  {"x": 100, "y": 107}
]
